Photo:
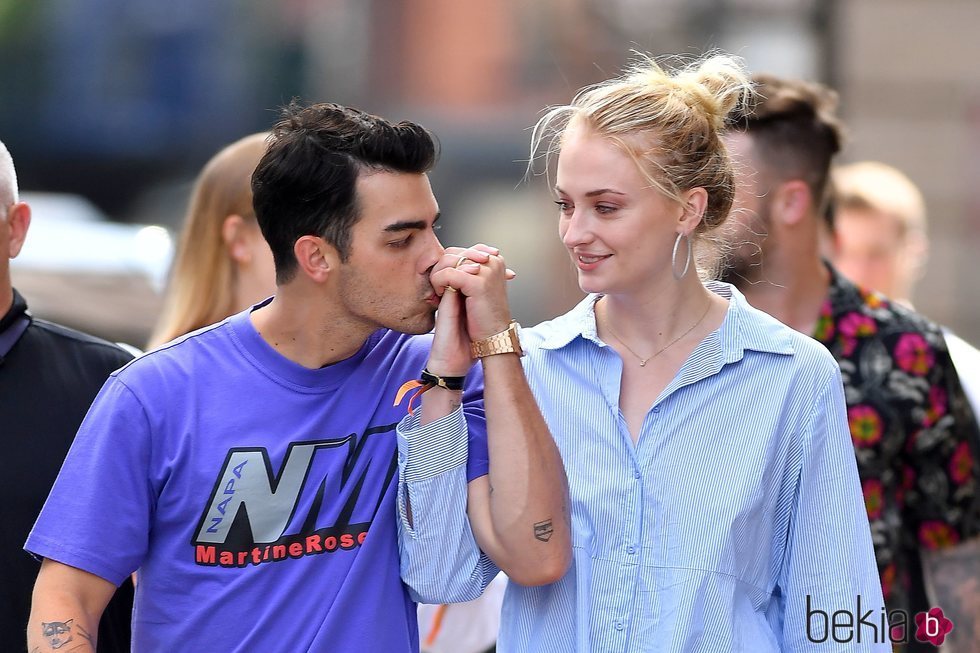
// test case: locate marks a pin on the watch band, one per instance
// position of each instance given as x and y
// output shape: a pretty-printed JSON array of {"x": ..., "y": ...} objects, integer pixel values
[
  {"x": 447, "y": 382},
  {"x": 505, "y": 342}
]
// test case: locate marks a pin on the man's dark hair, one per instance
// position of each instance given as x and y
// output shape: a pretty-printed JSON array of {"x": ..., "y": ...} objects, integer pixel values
[
  {"x": 306, "y": 182},
  {"x": 795, "y": 130}
]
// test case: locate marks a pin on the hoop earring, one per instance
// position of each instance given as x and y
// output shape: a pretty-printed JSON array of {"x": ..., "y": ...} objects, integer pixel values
[{"x": 673, "y": 257}]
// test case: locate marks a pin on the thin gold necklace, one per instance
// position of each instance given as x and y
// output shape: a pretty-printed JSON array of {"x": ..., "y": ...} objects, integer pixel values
[{"x": 644, "y": 361}]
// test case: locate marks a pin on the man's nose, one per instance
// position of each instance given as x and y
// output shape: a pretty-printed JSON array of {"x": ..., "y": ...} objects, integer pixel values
[{"x": 436, "y": 250}]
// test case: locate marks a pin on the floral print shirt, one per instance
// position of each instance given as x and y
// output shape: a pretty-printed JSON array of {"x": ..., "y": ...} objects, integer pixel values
[{"x": 913, "y": 430}]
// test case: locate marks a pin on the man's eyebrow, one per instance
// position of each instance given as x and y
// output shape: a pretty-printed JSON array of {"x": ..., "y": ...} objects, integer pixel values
[
  {"x": 405, "y": 225},
  {"x": 593, "y": 193}
]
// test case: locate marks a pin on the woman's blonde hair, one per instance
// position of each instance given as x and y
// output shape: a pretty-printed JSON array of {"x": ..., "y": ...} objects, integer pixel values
[
  {"x": 202, "y": 279},
  {"x": 670, "y": 124}
]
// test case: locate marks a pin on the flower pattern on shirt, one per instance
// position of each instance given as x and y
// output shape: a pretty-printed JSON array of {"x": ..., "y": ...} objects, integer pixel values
[
  {"x": 914, "y": 434},
  {"x": 865, "y": 425},
  {"x": 872, "y": 497},
  {"x": 913, "y": 354}
]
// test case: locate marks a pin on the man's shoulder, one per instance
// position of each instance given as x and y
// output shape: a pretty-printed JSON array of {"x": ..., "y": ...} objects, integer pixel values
[
  {"x": 81, "y": 343},
  {"x": 399, "y": 344},
  {"x": 188, "y": 355},
  {"x": 855, "y": 309},
  {"x": 912, "y": 321}
]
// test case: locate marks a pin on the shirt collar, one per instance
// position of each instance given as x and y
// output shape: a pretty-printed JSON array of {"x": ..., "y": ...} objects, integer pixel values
[
  {"x": 17, "y": 308},
  {"x": 744, "y": 327}
]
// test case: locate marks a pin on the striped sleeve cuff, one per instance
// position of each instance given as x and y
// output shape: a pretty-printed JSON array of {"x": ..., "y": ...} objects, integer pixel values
[{"x": 430, "y": 450}]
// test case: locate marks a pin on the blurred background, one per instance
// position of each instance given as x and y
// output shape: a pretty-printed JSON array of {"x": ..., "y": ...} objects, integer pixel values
[{"x": 118, "y": 103}]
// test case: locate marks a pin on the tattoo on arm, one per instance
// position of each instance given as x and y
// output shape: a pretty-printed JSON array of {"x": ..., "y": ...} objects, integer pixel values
[
  {"x": 84, "y": 634},
  {"x": 955, "y": 587},
  {"x": 543, "y": 530},
  {"x": 454, "y": 404},
  {"x": 58, "y": 633}
]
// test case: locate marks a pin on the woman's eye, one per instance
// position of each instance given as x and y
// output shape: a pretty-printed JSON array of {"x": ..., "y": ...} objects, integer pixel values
[
  {"x": 563, "y": 206},
  {"x": 603, "y": 208}
]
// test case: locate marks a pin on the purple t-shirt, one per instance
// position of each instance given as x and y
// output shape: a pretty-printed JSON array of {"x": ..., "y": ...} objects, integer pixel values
[{"x": 255, "y": 496}]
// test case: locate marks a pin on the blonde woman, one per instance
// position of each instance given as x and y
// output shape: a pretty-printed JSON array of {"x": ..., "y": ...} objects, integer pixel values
[
  {"x": 223, "y": 263},
  {"x": 715, "y": 498}
]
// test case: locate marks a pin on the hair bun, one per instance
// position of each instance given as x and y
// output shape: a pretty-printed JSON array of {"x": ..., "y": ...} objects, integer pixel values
[{"x": 718, "y": 85}]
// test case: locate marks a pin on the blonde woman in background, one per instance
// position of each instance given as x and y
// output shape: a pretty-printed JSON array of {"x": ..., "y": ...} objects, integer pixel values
[
  {"x": 223, "y": 263},
  {"x": 715, "y": 498}
]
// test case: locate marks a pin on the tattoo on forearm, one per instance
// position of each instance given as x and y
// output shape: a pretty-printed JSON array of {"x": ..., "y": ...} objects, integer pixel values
[
  {"x": 84, "y": 634},
  {"x": 543, "y": 530},
  {"x": 454, "y": 404},
  {"x": 956, "y": 589},
  {"x": 58, "y": 633}
]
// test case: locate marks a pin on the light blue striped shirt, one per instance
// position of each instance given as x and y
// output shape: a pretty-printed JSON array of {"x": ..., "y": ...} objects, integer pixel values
[
  {"x": 736, "y": 523},
  {"x": 740, "y": 500}
]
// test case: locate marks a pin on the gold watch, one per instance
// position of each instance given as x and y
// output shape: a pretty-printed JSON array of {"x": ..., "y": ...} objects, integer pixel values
[{"x": 506, "y": 342}]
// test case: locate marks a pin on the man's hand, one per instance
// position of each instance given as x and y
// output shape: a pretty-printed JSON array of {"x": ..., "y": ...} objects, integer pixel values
[
  {"x": 474, "y": 305},
  {"x": 951, "y": 579}
]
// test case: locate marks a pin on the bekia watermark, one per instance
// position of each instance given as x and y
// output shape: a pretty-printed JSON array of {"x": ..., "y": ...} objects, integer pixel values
[{"x": 881, "y": 626}]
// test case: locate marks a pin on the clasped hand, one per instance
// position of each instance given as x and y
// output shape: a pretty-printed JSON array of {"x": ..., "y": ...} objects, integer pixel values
[{"x": 476, "y": 310}]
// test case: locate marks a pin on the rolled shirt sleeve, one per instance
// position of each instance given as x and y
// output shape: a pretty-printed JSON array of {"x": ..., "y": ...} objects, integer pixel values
[{"x": 440, "y": 559}]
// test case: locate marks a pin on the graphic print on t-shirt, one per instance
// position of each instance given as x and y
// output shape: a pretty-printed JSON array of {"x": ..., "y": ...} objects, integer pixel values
[{"x": 323, "y": 499}]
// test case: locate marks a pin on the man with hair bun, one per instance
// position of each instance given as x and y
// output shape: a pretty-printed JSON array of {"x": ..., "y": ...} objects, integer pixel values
[
  {"x": 714, "y": 490},
  {"x": 913, "y": 432}
]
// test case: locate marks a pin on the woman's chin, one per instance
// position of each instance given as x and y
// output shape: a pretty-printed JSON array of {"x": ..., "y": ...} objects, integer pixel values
[{"x": 591, "y": 285}]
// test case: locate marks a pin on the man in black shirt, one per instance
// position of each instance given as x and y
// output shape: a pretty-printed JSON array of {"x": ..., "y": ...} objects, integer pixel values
[{"x": 49, "y": 375}]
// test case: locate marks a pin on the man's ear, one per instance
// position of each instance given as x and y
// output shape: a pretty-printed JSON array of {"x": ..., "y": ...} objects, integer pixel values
[
  {"x": 19, "y": 221},
  {"x": 792, "y": 202},
  {"x": 315, "y": 257},
  {"x": 233, "y": 236},
  {"x": 694, "y": 203}
]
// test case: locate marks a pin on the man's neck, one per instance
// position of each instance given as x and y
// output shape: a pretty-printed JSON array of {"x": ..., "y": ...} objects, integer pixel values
[
  {"x": 793, "y": 291},
  {"x": 307, "y": 332},
  {"x": 6, "y": 297}
]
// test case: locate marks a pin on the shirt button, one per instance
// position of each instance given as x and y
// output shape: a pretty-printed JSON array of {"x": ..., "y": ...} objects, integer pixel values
[
  {"x": 656, "y": 409},
  {"x": 631, "y": 550},
  {"x": 636, "y": 473},
  {"x": 619, "y": 625}
]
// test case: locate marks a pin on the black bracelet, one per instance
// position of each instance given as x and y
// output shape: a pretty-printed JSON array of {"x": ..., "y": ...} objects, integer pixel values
[{"x": 447, "y": 382}]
